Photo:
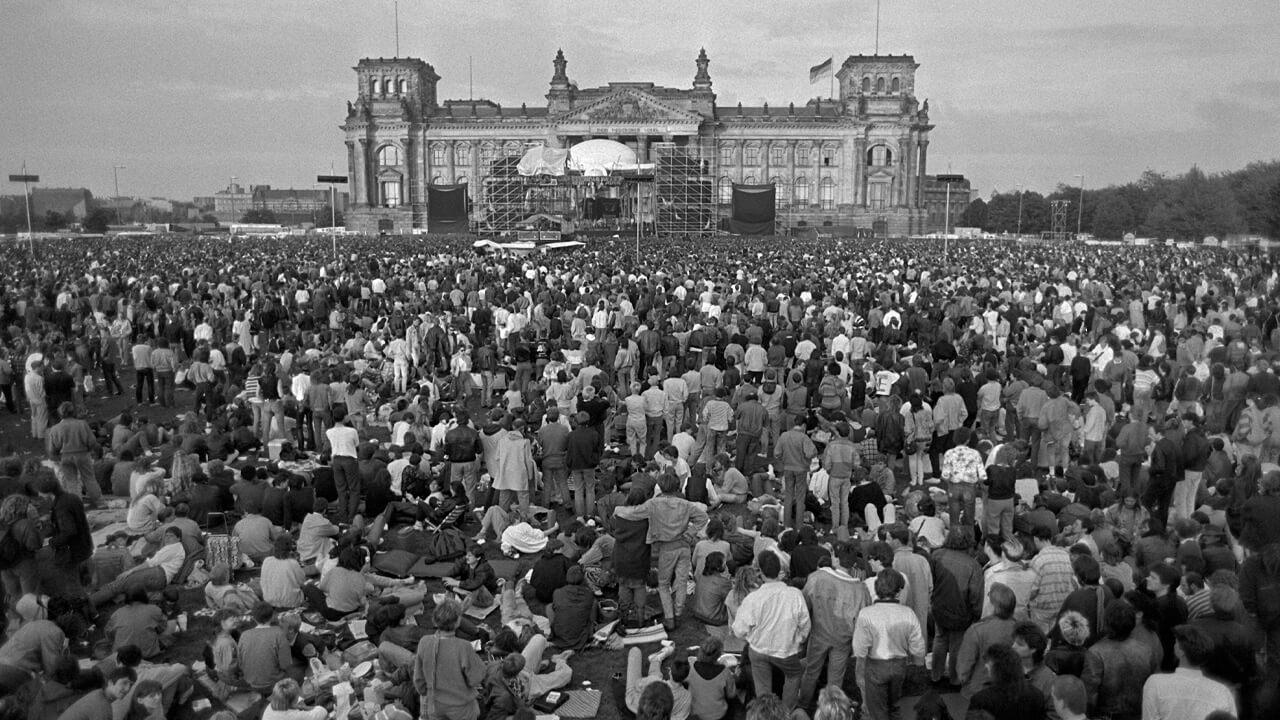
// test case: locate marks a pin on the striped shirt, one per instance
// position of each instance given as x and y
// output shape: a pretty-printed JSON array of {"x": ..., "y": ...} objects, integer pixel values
[{"x": 1054, "y": 582}]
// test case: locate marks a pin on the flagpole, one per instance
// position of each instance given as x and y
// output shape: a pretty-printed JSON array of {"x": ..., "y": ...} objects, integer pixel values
[{"x": 877, "y": 27}]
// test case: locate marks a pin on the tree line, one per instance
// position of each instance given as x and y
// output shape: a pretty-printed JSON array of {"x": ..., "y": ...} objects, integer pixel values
[{"x": 1187, "y": 207}]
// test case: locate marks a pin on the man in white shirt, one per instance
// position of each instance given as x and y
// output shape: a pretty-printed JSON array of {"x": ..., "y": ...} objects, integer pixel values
[
  {"x": 152, "y": 575},
  {"x": 344, "y": 443},
  {"x": 886, "y": 637},
  {"x": 1186, "y": 694},
  {"x": 774, "y": 620}
]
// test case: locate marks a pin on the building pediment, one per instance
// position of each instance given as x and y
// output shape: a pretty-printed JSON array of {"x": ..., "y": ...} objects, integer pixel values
[{"x": 629, "y": 106}]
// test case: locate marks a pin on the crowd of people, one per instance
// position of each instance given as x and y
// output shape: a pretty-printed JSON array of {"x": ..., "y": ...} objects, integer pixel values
[{"x": 1006, "y": 481}]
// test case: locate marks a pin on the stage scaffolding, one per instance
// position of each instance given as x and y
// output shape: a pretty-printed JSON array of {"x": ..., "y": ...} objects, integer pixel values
[
  {"x": 686, "y": 191},
  {"x": 508, "y": 198}
]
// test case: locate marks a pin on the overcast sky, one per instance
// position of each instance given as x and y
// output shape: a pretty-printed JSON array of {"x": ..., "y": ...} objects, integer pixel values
[{"x": 187, "y": 94}]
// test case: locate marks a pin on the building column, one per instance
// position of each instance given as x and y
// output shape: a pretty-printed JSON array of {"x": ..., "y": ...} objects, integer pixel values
[
  {"x": 473, "y": 182},
  {"x": 407, "y": 193},
  {"x": 369, "y": 182},
  {"x": 355, "y": 178},
  {"x": 859, "y": 171},
  {"x": 450, "y": 150},
  {"x": 642, "y": 148},
  {"x": 427, "y": 169},
  {"x": 922, "y": 170}
]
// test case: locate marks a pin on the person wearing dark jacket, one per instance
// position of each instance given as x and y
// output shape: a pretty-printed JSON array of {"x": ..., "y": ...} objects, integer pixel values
[
  {"x": 1235, "y": 647},
  {"x": 1195, "y": 455},
  {"x": 572, "y": 611},
  {"x": 70, "y": 541},
  {"x": 632, "y": 556},
  {"x": 472, "y": 571},
  {"x": 1165, "y": 472},
  {"x": 582, "y": 455},
  {"x": 956, "y": 600},
  {"x": 1261, "y": 515},
  {"x": 462, "y": 449},
  {"x": 1009, "y": 695},
  {"x": 502, "y": 692}
]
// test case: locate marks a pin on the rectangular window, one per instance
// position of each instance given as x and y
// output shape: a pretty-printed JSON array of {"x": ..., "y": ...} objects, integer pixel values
[
  {"x": 830, "y": 156},
  {"x": 438, "y": 157},
  {"x": 828, "y": 193},
  {"x": 391, "y": 193},
  {"x": 802, "y": 155},
  {"x": 726, "y": 154},
  {"x": 777, "y": 155},
  {"x": 750, "y": 155}
]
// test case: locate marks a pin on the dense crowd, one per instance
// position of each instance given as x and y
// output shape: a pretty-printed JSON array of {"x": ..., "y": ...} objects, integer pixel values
[{"x": 1025, "y": 481}]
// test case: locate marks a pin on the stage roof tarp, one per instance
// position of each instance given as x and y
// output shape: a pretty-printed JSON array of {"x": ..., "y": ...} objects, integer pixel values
[{"x": 542, "y": 160}]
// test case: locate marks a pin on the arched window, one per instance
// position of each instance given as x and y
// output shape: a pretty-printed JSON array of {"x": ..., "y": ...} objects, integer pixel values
[
  {"x": 461, "y": 180},
  {"x": 511, "y": 149},
  {"x": 438, "y": 180},
  {"x": 488, "y": 154},
  {"x": 827, "y": 193},
  {"x": 779, "y": 191},
  {"x": 439, "y": 154},
  {"x": 388, "y": 155},
  {"x": 726, "y": 190},
  {"x": 879, "y": 156},
  {"x": 880, "y": 84},
  {"x": 802, "y": 189},
  {"x": 866, "y": 83},
  {"x": 404, "y": 87},
  {"x": 462, "y": 154},
  {"x": 749, "y": 180},
  {"x": 375, "y": 87},
  {"x": 391, "y": 193},
  {"x": 893, "y": 87}
]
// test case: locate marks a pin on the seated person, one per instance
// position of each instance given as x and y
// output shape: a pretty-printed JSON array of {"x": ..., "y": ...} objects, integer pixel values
[
  {"x": 572, "y": 611},
  {"x": 710, "y": 590},
  {"x": 347, "y": 588},
  {"x": 222, "y": 656},
  {"x": 143, "y": 515},
  {"x": 127, "y": 437},
  {"x": 36, "y": 646},
  {"x": 153, "y": 574},
  {"x": 121, "y": 472},
  {"x": 174, "y": 678},
  {"x": 222, "y": 594},
  {"x": 62, "y": 689},
  {"x": 637, "y": 683},
  {"x": 286, "y": 704},
  {"x": 112, "y": 558},
  {"x": 303, "y": 645},
  {"x": 472, "y": 571},
  {"x": 139, "y": 623},
  {"x": 282, "y": 577},
  {"x": 203, "y": 497},
  {"x": 550, "y": 571},
  {"x": 315, "y": 537},
  {"x": 98, "y": 703},
  {"x": 263, "y": 651},
  {"x": 257, "y": 536},
  {"x": 145, "y": 472},
  {"x": 730, "y": 484},
  {"x": 595, "y": 555}
]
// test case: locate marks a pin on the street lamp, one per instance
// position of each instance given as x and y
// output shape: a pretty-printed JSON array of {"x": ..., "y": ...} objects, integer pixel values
[
  {"x": 115, "y": 174},
  {"x": 231, "y": 192},
  {"x": 333, "y": 181},
  {"x": 26, "y": 179},
  {"x": 1080, "y": 206}
]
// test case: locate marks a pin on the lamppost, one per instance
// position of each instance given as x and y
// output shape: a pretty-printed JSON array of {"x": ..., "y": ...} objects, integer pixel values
[
  {"x": 1020, "y": 190},
  {"x": 231, "y": 192},
  {"x": 333, "y": 181},
  {"x": 1080, "y": 206},
  {"x": 25, "y": 179}
]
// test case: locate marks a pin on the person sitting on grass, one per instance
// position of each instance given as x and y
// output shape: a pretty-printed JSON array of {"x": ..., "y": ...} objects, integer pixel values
[
  {"x": 140, "y": 623},
  {"x": 152, "y": 575},
  {"x": 639, "y": 687},
  {"x": 286, "y": 704},
  {"x": 97, "y": 704},
  {"x": 572, "y": 611},
  {"x": 472, "y": 571}
]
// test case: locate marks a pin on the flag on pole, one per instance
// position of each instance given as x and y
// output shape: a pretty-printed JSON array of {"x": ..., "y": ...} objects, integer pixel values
[{"x": 817, "y": 71}]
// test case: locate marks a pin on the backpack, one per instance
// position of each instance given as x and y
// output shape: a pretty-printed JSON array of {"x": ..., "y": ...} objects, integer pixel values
[{"x": 445, "y": 386}]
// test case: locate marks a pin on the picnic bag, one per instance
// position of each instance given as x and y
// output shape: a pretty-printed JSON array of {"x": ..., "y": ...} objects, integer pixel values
[{"x": 224, "y": 547}]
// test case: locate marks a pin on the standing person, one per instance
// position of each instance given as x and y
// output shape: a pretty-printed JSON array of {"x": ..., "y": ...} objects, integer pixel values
[
  {"x": 109, "y": 359},
  {"x": 513, "y": 469},
  {"x": 70, "y": 444},
  {"x": 632, "y": 556},
  {"x": 774, "y": 621},
  {"x": 553, "y": 439},
  {"x": 634, "y": 406},
  {"x": 1010, "y": 696},
  {"x": 462, "y": 449},
  {"x": 344, "y": 443},
  {"x": 164, "y": 363},
  {"x": 751, "y": 421},
  {"x": 994, "y": 629},
  {"x": 956, "y": 601},
  {"x": 582, "y": 455},
  {"x": 1187, "y": 694},
  {"x": 37, "y": 399},
  {"x": 319, "y": 402},
  {"x": 673, "y": 521},
  {"x": 796, "y": 452},
  {"x": 143, "y": 373},
  {"x": 1260, "y": 595},
  {"x": 915, "y": 569},
  {"x": 70, "y": 541},
  {"x": 918, "y": 434},
  {"x": 886, "y": 638},
  {"x": 835, "y": 596},
  {"x": 1055, "y": 578},
  {"x": 839, "y": 459},
  {"x": 1117, "y": 666},
  {"x": 447, "y": 672},
  {"x": 962, "y": 471},
  {"x": 1165, "y": 471}
]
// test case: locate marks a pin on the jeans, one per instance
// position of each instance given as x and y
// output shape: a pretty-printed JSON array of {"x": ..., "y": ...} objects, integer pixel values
[
  {"x": 151, "y": 579},
  {"x": 111, "y": 379},
  {"x": 946, "y": 649},
  {"x": 583, "y": 485},
  {"x": 164, "y": 388},
  {"x": 633, "y": 601},
  {"x": 999, "y": 518},
  {"x": 636, "y": 439},
  {"x": 1184, "y": 494},
  {"x": 555, "y": 479},
  {"x": 746, "y": 449},
  {"x": 792, "y": 668},
  {"x": 838, "y": 496},
  {"x": 882, "y": 687},
  {"x": 653, "y": 435},
  {"x": 824, "y": 652},
  {"x": 674, "y": 565},
  {"x": 961, "y": 505},
  {"x": 77, "y": 476},
  {"x": 147, "y": 377},
  {"x": 520, "y": 497},
  {"x": 465, "y": 473},
  {"x": 346, "y": 478},
  {"x": 794, "y": 489},
  {"x": 675, "y": 420}
]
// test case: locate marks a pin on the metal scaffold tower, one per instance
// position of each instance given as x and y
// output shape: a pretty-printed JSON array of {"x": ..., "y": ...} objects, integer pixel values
[
  {"x": 686, "y": 198},
  {"x": 1058, "y": 220}
]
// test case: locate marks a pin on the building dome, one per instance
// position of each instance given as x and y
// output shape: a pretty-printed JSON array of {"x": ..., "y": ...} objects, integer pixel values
[{"x": 598, "y": 157}]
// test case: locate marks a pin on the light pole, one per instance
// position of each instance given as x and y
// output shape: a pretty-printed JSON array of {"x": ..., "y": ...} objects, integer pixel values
[
  {"x": 231, "y": 192},
  {"x": 115, "y": 174},
  {"x": 25, "y": 179},
  {"x": 1080, "y": 206},
  {"x": 333, "y": 181},
  {"x": 1020, "y": 190}
]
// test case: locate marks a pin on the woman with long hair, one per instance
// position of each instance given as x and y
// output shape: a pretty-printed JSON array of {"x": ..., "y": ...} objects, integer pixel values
[
  {"x": 918, "y": 424},
  {"x": 1250, "y": 430},
  {"x": 286, "y": 704},
  {"x": 745, "y": 581}
]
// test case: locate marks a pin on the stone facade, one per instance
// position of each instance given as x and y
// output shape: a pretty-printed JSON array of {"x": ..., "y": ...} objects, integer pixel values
[{"x": 858, "y": 160}]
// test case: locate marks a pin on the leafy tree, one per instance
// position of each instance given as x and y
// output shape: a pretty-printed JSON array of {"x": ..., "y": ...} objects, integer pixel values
[
  {"x": 259, "y": 215},
  {"x": 975, "y": 215},
  {"x": 1252, "y": 188},
  {"x": 1113, "y": 217},
  {"x": 98, "y": 220},
  {"x": 53, "y": 220}
]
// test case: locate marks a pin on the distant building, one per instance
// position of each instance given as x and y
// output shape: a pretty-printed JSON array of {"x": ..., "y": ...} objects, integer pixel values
[
  {"x": 935, "y": 203},
  {"x": 856, "y": 160},
  {"x": 68, "y": 202},
  {"x": 231, "y": 204},
  {"x": 293, "y": 205}
]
